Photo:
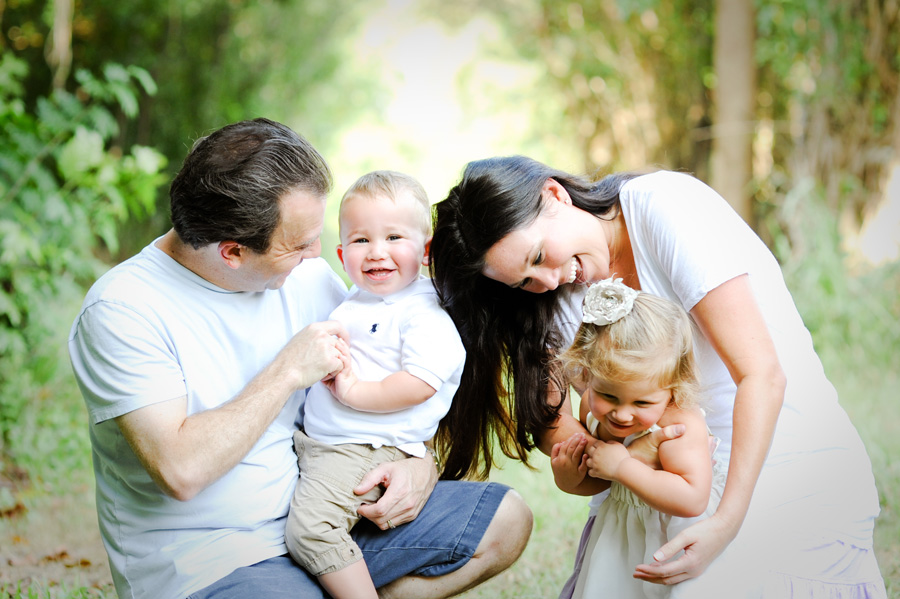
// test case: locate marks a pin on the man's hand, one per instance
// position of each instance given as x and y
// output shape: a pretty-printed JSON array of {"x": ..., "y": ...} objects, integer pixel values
[
  {"x": 313, "y": 354},
  {"x": 408, "y": 485}
]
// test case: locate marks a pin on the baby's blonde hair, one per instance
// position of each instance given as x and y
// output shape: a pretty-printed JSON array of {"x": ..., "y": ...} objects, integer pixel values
[
  {"x": 389, "y": 184},
  {"x": 654, "y": 342}
]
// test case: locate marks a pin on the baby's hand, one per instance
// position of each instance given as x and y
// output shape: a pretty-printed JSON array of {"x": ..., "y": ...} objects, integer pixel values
[
  {"x": 604, "y": 458},
  {"x": 568, "y": 461},
  {"x": 340, "y": 383}
]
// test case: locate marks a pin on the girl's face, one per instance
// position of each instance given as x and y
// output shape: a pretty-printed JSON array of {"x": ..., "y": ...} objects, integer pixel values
[
  {"x": 563, "y": 245},
  {"x": 625, "y": 408}
]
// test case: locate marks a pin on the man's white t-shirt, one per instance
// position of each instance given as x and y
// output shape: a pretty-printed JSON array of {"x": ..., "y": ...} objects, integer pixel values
[
  {"x": 405, "y": 331},
  {"x": 149, "y": 331}
]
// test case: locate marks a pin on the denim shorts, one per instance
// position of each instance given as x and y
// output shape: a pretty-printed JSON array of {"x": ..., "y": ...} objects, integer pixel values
[{"x": 442, "y": 539}]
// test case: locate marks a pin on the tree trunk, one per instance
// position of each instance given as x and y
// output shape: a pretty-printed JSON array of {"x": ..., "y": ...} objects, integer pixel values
[
  {"x": 59, "y": 50},
  {"x": 735, "y": 100}
]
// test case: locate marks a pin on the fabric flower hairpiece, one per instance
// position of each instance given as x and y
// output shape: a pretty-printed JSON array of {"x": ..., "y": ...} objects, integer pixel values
[{"x": 607, "y": 301}]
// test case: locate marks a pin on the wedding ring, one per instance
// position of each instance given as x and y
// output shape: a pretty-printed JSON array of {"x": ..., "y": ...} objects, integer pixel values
[{"x": 390, "y": 524}]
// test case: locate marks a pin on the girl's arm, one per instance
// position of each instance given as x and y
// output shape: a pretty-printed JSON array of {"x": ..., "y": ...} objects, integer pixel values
[
  {"x": 730, "y": 319},
  {"x": 682, "y": 487},
  {"x": 565, "y": 426},
  {"x": 568, "y": 460},
  {"x": 567, "y": 441}
]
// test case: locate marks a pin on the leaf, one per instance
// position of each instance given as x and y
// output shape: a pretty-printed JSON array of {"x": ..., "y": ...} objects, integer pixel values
[
  {"x": 115, "y": 72},
  {"x": 144, "y": 78},
  {"x": 16, "y": 244},
  {"x": 9, "y": 308},
  {"x": 147, "y": 160},
  {"x": 126, "y": 99},
  {"x": 81, "y": 153}
]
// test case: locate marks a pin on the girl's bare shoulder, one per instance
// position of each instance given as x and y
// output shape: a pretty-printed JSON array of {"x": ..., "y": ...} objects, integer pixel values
[{"x": 690, "y": 417}]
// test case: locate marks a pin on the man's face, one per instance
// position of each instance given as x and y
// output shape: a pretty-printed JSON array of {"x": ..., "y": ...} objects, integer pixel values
[{"x": 296, "y": 238}]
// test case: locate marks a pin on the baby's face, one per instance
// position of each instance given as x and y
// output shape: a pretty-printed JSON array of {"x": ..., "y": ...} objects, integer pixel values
[{"x": 383, "y": 243}]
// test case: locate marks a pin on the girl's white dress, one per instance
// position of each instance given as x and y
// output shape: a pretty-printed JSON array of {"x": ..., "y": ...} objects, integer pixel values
[
  {"x": 625, "y": 533},
  {"x": 808, "y": 531}
]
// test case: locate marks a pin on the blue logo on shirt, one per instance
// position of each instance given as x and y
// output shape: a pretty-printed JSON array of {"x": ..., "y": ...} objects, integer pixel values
[{"x": 374, "y": 326}]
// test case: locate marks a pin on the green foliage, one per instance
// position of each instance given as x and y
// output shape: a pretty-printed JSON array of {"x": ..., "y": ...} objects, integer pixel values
[
  {"x": 632, "y": 74},
  {"x": 854, "y": 317},
  {"x": 828, "y": 79},
  {"x": 64, "y": 191}
]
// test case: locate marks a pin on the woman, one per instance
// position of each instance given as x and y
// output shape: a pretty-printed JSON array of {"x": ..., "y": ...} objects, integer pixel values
[{"x": 797, "y": 514}]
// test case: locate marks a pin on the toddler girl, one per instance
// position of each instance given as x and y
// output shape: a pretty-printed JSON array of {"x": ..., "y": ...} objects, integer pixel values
[{"x": 633, "y": 355}]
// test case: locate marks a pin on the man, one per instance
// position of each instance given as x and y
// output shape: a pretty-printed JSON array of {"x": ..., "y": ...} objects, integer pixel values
[{"x": 194, "y": 358}]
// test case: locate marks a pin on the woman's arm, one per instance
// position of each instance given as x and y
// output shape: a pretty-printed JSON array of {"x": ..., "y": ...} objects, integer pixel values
[{"x": 730, "y": 319}]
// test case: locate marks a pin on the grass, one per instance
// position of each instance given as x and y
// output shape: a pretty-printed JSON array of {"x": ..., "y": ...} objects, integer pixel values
[{"x": 547, "y": 561}]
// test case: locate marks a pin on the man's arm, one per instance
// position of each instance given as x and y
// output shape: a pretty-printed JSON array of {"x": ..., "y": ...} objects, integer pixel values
[{"x": 185, "y": 454}]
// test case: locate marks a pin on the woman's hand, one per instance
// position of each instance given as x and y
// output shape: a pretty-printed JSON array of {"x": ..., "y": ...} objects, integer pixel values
[
  {"x": 568, "y": 461},
  {"x": 646, "y": 448},
  {"x": 408, "y": 485},
  {"x": 701, "y": 542}
]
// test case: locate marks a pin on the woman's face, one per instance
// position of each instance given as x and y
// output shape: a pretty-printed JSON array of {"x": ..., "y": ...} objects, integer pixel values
[{"x": 563, "y": 245}]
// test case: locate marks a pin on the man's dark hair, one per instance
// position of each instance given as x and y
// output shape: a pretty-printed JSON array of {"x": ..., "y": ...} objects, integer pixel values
[{"x": 232, "y": 180}]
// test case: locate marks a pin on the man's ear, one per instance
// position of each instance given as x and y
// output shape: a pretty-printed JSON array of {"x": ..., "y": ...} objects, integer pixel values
[
  {"x": 232, "y": 253},
  {"x": 340, "y": 253},
  {"x": 553, "y": 190},
  {"x": 426, "y": 260}
]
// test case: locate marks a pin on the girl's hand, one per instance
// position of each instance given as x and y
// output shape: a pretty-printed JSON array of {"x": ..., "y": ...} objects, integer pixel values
[
  {"x": 701, "y": 542},
  {"x": 568, "y": 461},
  {"x": 604, "y": 459}
]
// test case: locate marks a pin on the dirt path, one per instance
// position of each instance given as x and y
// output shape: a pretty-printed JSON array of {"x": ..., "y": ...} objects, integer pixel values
[{"x": 54, "y": 542}]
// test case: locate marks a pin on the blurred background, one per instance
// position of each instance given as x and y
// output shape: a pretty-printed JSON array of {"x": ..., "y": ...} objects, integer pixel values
[{"x": 789, "y": 108}]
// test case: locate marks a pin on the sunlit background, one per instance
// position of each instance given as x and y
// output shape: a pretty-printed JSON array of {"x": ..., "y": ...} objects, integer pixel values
[{"x": 796, "y": 121}]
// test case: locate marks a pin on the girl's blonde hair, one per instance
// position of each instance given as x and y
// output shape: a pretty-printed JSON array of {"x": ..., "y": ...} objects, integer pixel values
[{"x": 653, "y": 342}]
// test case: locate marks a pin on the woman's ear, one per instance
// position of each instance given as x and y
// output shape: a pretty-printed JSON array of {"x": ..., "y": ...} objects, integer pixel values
[{"x": 553, "y": 190}]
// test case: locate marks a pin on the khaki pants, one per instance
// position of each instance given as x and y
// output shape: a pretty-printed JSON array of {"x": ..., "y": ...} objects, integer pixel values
[{"x": 323, "y": 509}]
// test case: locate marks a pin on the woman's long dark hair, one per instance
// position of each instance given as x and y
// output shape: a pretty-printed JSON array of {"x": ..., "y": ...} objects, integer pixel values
[{"x": 511, "y": 336}]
